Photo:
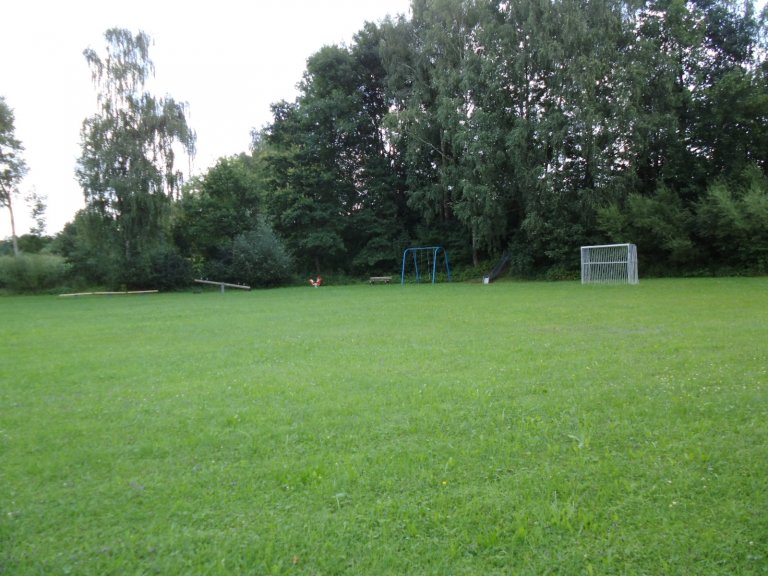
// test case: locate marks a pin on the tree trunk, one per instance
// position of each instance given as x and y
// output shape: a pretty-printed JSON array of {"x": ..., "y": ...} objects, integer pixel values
[{"x": 14, "y": 240}]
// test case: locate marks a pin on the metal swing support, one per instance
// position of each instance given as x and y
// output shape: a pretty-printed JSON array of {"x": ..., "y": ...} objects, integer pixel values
[{"x": 414, "y": 253}]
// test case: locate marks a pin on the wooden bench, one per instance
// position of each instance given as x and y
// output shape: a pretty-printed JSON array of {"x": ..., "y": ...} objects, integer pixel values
[{"x": 379, "y": 279}]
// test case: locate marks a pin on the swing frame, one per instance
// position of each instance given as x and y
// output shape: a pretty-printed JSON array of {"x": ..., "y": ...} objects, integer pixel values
[{"x": 414, "y": 253}]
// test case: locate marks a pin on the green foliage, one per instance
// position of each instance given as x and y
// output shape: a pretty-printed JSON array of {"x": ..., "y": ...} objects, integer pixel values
[
  {"x": 97, "y": 259},
  {"x": 218, "y": 224},
  {"x": 380, "y": 255},
  {"x": 161, "y": 268},
  {"x": 333, "y": 188},
  {"x": 259, "y": 258},
  {"x": 127, "y": 166},
  {"x": 13, "y": 168},
  {"x": 555, "y": 227},
  {"x": 91, "y": 251},
  {"x": 614, "y": 222},
  {"x": 734, "y": 221},
  {"x": 33, "y": 273},
  {"x": 479, "y": 126},
  {"x": 520, "y": 118},
  {"x": 37, "y": 204},
  {"x": 33, "y": 243},
  {"x": 26, "y": 244},
  {"x": 216, "y": 207},
  {"x": 519, "y": 428},
  {"x": 660, "y": 224},
  {"x": 12, "y": 164}
]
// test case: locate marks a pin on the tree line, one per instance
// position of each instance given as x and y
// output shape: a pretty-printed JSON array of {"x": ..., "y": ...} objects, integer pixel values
[{"x": 523, "y": 126}]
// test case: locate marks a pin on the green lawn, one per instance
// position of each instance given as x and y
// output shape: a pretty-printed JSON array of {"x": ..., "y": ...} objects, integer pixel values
[{"x": 516, "y": 428}]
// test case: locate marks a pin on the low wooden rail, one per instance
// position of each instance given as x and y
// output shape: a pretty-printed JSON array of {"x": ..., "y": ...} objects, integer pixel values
[
  {"x": 123, "y": 293},
  {"x": 223, "y": 284}
]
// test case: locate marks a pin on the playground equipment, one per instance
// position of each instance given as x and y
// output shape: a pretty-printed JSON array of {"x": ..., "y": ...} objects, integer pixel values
[
  {"x": 223, "y": 285},
  {"x": 500, "y": 268},
  {"x": 424, "y": 260}
]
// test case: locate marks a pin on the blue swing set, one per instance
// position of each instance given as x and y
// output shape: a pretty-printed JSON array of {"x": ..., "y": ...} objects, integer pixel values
[{"x": 431, "y": 253}]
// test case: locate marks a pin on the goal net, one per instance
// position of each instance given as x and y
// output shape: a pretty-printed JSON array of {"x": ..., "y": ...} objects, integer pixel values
[{"x": 609, "y": 264}]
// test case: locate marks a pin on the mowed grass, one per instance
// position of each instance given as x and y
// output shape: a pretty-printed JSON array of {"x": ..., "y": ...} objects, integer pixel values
[{"x": 516, "y": 428}]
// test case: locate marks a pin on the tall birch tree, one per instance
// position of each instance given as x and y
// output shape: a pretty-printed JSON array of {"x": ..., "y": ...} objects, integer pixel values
[
  {"x": 127, "y": 168},
  {"x": 12, "y": 165}
]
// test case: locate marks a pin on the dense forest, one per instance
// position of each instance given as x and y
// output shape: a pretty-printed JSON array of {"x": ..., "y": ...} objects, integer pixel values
[{"x": 523, "y": 126}]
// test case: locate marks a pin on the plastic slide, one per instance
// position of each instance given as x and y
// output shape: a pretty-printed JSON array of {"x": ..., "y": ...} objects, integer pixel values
[{"x": 500, "y": 268}]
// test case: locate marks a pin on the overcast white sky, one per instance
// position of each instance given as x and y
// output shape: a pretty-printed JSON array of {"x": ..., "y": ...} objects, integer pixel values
[{"x": 228, "y": 59}]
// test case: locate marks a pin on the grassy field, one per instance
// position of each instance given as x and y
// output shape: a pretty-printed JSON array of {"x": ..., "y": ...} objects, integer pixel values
[{"x": 516, "y": 428}]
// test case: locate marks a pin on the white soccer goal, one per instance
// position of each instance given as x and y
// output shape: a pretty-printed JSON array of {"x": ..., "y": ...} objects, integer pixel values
[{"x": 609, "y": 264}]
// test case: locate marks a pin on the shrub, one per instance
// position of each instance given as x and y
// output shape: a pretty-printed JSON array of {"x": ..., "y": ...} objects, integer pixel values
[
  {"x": 659, "y": 224},
  {"x": 162, "y": 269},
  {"x": 30, "y": 273},
  {"x": 733, "y": 220},
  {"x": 259, "y": 257}
]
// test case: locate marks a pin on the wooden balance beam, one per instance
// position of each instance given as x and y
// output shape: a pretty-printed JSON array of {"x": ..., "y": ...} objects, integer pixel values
[{"x": 123, "y": 293}]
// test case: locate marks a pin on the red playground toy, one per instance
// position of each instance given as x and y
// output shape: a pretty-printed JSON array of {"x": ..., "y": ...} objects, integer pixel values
[{"x": 316, "y": 282}]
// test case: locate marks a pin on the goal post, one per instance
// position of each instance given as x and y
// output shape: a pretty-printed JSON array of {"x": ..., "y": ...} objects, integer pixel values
[{"x": 609, "y": 264}]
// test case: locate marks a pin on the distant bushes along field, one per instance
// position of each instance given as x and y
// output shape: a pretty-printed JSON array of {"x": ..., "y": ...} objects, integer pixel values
[{"x": 32, "y": 273}]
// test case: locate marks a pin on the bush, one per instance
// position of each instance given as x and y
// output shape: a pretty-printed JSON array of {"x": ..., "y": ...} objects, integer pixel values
[
  {"x": 93, "y": 256},
  {"x": 733, "y": 220},
  {"x": 259, "y": 258},
  {"x": 659, "y": 224},
  {"x": 158, "y": 268},
  {"x": 30, "y": 273}
]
